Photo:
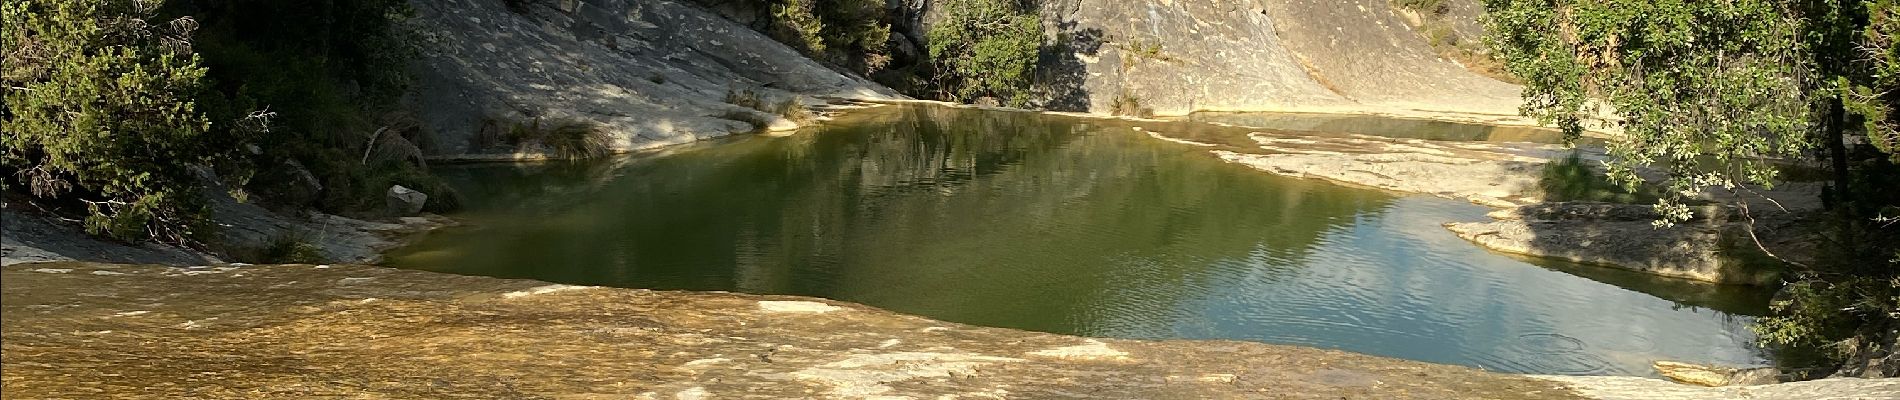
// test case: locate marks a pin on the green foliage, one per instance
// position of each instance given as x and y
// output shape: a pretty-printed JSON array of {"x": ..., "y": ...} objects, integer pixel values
[
  {"x": 99, "y": 108},
  {"x": 1874, "y": 99},
  {"x": 1705, "y": 90},
  {"x": 1712, "y": 92},
  {"x": 569, "y": 140},
  {"x": 986, "y": 48},
  {"x": 798, "y": 20},
  {"x": 1128, "y": 104},
  {"x": 328, "y": 71},
  {"x": 1572, "y": 179},
  {"x": 289, "y": 249},
  {"x": 850, "y": 32},
  {"x": 1821, "y": 313}
]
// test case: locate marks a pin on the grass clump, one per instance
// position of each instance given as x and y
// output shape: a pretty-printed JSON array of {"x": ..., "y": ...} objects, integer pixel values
[
  {"x": 290, "y": 249},
  {"x": 1572, "y": 179},
  {"x": 1128, "y": 104},
  {"x": 557, "y": 139}
]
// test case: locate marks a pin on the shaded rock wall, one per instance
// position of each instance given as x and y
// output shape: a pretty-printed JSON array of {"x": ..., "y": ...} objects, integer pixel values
[{"x": 650, "y": 72}]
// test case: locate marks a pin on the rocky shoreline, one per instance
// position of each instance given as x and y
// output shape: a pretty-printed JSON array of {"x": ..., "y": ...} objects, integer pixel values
[
  {"x": 293, "y": 331},
  {"x": 1506, "y": 176}
]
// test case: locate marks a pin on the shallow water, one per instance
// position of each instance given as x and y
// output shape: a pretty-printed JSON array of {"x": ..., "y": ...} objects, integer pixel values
[{"x": 1073, "y": 226}]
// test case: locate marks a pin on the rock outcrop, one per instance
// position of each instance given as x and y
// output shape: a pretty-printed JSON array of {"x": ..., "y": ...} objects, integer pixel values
[
  {"x": 1179, "y": 56},
  {"x": 1622, "y": 235},
  {"x": 299, "y": 331},
  {"x": 1712, "y": 375},
  {"x": 1712, "y": 248},
  {"x": 646, "y": 73}
]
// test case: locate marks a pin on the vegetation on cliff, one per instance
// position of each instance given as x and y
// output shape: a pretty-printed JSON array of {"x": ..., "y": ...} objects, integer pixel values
[
  {"x": 1719, "y": 95},
  {"x": 114, "y": 106},
  {"x": 986, "y": 48}
]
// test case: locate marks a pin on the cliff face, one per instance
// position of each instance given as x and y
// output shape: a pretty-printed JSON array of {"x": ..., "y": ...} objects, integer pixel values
[
  {"x": 657, "y": 72},
  {"x": 649, "y": 72},
  {"x": 1178, "y": 56}
]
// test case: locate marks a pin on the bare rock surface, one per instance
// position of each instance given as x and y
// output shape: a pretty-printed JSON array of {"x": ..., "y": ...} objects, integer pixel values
[
  {"x": 650, "y": 73},
  {"x": 1620, "y": 235},
  {"x": 1714, "y": 375},
  {"x": 30, "y": 235},
  {"x": 1712, "y": 248},
  {"x": 85, "y": 330},
  {"x": 1179, "y": 56},
  {"x": 1493, "y": 174},
  {"x": 1632, "y": 388}
]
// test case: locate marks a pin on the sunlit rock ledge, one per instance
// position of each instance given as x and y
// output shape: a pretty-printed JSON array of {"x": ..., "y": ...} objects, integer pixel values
[{"x": 86, "y": 330}]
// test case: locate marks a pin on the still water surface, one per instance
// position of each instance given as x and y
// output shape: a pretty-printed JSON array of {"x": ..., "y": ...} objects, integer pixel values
[{"x": 1073, "y": 226}]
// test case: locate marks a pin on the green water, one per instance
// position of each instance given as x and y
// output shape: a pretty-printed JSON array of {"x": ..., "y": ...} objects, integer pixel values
[{"x": 1073, "y": 226}]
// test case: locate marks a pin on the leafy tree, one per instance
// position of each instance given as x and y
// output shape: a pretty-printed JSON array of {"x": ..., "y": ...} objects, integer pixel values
[
  {"x": 99, "y": 108},
  {"x": 986, "y": 48},
  {"x": 853, "y": 33},
  {"x": 1713, "y": 92}
]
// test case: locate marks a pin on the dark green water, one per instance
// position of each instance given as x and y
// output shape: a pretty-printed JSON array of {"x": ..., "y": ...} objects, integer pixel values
[{"x": 1073, "y": 226}]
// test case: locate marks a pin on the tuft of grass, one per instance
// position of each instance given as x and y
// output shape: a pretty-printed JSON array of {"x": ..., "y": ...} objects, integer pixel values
[
  {"x": 744, "y": 98},
  {"x": 1571, "y": 179},
  {"x": 562, "y": 139},
  {"x": 1128, "y": 104},
  {"x": 794, "y": 110},
  {"x": 290, "y": 249}
]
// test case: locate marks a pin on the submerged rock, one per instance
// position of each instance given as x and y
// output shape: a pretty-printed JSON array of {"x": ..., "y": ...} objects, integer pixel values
[{"x": 1710, "y": 375}]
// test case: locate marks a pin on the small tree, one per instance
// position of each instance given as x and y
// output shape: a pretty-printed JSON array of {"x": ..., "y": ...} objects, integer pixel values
[
  {"x": 986, "y": 48},
  {"x": 1711, "y": 92},
  {"x": 99, "y": 109}
]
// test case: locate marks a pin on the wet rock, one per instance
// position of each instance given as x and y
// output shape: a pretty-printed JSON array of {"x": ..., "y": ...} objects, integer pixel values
[
  {"x": 1710, "y": 375},
  {"x": 403, "y": 201},
  {"x": 1619, "y": 235},
  {"x": 300, "y": 331}
]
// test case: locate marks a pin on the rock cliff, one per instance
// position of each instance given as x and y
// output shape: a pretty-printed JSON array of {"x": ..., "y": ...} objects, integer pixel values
[
  {"x": 1178, "y": 56},
  {"x": 648, "y": 73}
]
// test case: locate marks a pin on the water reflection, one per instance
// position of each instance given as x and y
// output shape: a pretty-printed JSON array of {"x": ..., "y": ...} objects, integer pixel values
[{"x": 1064, "y": 225}]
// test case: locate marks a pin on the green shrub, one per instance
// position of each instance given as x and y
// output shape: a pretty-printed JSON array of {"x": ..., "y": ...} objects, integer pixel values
[
  {"x": 1127, "y": 104},
  {"x": 797, "y": 23},
  {"x": 986, "y": 48},
  {"x": 792, "y": 109},
  {"x": 1571, "y": 179},
  {"x": 290, "y": 249},
  {"x": 99, "y": 108},
  {"x": 559, "y": 139}
]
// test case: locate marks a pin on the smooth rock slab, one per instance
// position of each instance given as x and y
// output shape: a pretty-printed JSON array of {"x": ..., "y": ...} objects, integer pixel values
[{"x": 294, "y": 331}]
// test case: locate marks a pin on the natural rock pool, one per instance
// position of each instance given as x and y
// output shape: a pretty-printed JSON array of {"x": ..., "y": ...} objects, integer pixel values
[{"x": 1076, "y": 226}]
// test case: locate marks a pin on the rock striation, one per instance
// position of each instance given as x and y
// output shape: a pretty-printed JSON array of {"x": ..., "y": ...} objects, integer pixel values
[{"x": 647, "y": 73}]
